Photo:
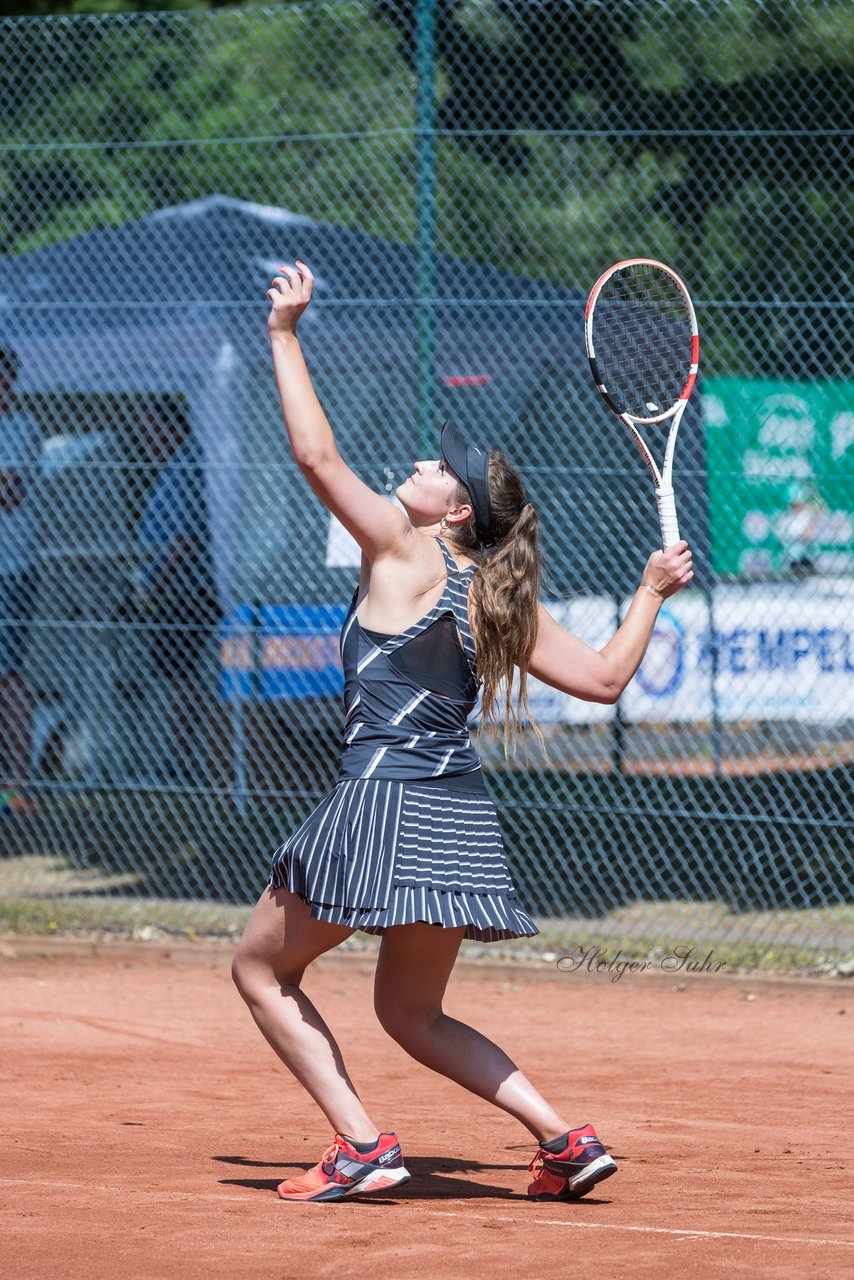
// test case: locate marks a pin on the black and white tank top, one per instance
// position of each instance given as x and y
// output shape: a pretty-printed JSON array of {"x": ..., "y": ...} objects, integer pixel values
[{"x": 407, "y": 698}]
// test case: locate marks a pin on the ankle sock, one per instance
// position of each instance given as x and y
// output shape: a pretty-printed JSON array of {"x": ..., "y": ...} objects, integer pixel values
[
  {"x": 556, "y": 1145},
  {"x": 362, "y": 1147}
]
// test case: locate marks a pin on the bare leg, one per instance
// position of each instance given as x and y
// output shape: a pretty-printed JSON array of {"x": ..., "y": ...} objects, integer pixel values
[
  {"x": 279, "y": 942},
  {"x": 15, "y": 713},
  {"x": 414, "y": 966}
]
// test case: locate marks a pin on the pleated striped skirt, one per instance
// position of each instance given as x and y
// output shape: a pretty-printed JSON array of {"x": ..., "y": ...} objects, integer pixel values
[{"x": 376, "y": 853}]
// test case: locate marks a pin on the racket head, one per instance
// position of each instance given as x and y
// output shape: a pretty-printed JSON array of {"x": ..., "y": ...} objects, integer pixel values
[{"x": 642, "y": 339}]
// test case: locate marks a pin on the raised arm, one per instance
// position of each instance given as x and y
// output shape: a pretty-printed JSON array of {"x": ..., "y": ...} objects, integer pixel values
[
  {"x": 564, "y": 661},
  {"x": 376, "y": 524}
]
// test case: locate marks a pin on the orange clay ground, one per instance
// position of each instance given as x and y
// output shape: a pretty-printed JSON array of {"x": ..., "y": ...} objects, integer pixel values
[{"x": 147, "y": 1125}]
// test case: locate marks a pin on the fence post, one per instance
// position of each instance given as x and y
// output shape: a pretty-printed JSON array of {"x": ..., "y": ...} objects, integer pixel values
[
  {"x": 714, "y": 666},
  {"x": 425, "y": 219}
]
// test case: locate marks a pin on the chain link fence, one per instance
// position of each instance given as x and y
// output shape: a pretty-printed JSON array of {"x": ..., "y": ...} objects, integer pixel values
[{"x": 457, "y": 174}]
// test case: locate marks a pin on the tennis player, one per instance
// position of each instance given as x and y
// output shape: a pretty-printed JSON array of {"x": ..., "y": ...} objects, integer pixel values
[{"x": 407, "y": 845}]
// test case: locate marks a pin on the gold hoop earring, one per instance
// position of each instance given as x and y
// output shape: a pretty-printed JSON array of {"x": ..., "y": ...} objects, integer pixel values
[{"x": 443, "y": 525}]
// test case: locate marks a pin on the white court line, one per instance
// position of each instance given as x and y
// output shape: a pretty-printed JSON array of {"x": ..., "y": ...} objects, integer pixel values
[
  {"x": 684, "y": 1232},
  {"x": 667, "y": 1231}
]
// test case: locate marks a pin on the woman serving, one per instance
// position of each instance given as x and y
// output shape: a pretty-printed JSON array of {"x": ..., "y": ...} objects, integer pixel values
[{"x": 408, "y": 845}]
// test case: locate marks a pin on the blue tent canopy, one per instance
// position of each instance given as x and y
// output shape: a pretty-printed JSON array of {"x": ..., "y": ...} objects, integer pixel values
[{"x": 176, "y": 301}]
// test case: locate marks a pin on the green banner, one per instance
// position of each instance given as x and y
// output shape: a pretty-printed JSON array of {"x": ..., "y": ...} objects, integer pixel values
[{"x": 781, "y": 476}]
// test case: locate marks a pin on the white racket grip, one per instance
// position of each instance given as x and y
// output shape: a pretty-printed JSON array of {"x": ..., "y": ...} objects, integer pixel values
[{"x": 667, "y": 516}]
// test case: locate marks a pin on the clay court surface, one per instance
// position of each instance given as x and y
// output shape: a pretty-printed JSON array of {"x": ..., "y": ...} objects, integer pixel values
[{"x": 148, "y": 1125}]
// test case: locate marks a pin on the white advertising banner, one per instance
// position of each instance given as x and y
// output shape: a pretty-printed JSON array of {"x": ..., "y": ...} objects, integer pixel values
[{"x": 783, "y": 652}]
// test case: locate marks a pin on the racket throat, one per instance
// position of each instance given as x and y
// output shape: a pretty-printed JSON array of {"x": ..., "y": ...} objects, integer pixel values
[{"x": 651, "y": 465}]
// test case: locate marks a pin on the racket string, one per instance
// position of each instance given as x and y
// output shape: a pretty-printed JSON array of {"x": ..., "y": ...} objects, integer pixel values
[{"x": 643, "y": 338}]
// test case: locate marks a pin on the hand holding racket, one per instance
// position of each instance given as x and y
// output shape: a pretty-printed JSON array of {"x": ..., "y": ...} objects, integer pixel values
[{"x": 644, "y": 350}]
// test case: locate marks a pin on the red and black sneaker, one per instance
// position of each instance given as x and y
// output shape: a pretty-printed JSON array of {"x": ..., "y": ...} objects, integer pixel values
[
  {"x": 344, "y": 1171},
  {"x": 568, "y": 1167}
]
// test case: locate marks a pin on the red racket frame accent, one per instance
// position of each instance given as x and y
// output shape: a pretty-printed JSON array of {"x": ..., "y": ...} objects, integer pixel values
[{"x": 695, "y": 333}]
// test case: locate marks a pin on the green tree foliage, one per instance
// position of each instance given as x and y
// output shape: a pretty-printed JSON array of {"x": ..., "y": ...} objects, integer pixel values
[
  {"x": 125, "y": 117},
  {"x": 39, "y": 8},
  {"x": 571, "y": 133},
  {"x": 716, "y": 137}
]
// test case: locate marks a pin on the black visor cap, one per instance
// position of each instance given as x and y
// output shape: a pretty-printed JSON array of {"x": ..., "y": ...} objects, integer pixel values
[{"x": 472, "y": 467}]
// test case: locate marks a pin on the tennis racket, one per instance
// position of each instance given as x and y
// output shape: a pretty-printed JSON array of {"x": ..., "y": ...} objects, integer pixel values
[{"x": 644, "y": 350}]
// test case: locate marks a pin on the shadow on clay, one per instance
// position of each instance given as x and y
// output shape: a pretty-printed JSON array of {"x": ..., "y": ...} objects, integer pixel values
[{"x": 432, "y": 1179}]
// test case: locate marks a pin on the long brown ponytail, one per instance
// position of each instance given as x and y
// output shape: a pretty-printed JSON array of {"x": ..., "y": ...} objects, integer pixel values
[{"x": 504, "y": 594}]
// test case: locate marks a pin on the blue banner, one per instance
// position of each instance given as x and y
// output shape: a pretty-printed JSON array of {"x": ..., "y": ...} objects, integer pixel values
[{"x": 273, "y": 652}]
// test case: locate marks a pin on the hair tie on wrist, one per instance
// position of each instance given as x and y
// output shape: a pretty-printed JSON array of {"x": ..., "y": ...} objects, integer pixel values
[{"x": 653, "y": 591}]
